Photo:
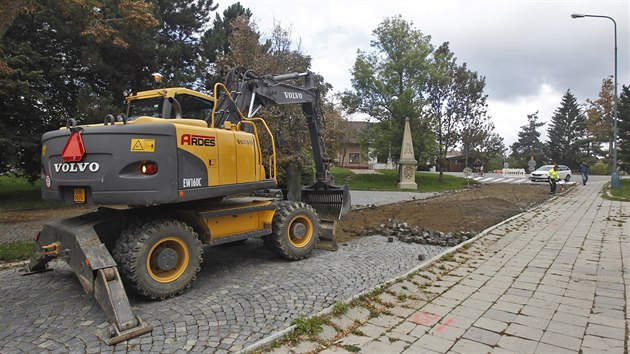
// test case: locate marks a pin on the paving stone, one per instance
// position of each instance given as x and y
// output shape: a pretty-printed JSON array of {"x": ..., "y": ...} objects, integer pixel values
[
  {"x": 379, "y": 347},
  {"x": 605, "y": 331},
  {"x": 327, "y": 333},
  {"x": 354, "y": 340},
  {"x": 507, "y": 307},
  {"x": 566, "y": 329},
  {"x": 491, "y": 325},
  {"x": 335, "y": 350},
  {"x": 371, "y": 331},
  {"x": 358, "y": 314},
  {"x": 465, "y": 346},
  {"x": 402, "y": 312},
  {"x": 385, "y": 321},
  {"x": 500, "y": 315},
  {"x": 561, "y": 340},
  {"x": 342, "y": 322},
  {"x": 482, "y": 336},
  {"x": 548, "y": 348},
  {"x": 387, "y": 298},
  {"x": 526, "y": 332},
  {"x": 517, "y": 345},
  {"x": 598, "y": 344},
  {"x": 434, "y": 343},
  {"x": 305, "y": 347}
]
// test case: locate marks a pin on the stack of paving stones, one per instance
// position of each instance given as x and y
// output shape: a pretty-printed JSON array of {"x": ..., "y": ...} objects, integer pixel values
[{"x": 414, "y": 234}]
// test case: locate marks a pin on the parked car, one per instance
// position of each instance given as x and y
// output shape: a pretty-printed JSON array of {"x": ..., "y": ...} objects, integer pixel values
[{"x": 540, "y": 175}]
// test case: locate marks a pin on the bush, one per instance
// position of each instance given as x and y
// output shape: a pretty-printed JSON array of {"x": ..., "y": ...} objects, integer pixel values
[{"x": 599, "y": 168}]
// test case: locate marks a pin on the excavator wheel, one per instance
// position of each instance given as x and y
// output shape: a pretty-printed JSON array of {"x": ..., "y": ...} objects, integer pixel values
[
  {"x": 158, "y": 259},
  {"x": 295, "y": 230}
]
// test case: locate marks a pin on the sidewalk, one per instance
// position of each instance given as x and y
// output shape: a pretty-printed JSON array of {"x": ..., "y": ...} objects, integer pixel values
[{"x": 552, "y": 280}]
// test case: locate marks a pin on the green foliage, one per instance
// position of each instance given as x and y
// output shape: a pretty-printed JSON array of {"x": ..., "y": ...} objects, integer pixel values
[
  {"x": 623, "y": 192},
  {"x": 17, "y": 193},
  {"x": 623, "y": 128},
  {"x": 599, "y": 168},
  {"x": 404, "y": 76},
  {"x": 351, "y": 348},
  {"x": 15, "y": 251},
  {"x": 388, "y": 85},
  {"x": 78, "y": 68},
  {"x": 340, "y": 308},
  {"x": 566, "y": 133},
  {"x": 387, "y": 180},
  {"x": 528, "y": 144},
  {"x": 308, "y": 326}
]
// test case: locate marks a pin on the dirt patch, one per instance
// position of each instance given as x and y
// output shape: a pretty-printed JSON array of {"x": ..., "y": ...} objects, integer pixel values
[
  {"x": 15, "y": 216},
  {"x": 470, "y": 210}
]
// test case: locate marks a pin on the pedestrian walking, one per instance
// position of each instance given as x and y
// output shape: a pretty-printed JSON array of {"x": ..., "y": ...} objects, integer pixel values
[
  {"x": 583, "y": 168},
  {"x": 553, "y": 178}
]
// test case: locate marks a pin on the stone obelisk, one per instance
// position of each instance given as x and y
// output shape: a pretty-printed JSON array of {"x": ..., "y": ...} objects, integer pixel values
[{"x": 407, "y": 163}]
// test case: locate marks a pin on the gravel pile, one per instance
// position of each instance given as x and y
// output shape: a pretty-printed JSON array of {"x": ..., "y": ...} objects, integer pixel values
[{"x": 411, "y": 233}]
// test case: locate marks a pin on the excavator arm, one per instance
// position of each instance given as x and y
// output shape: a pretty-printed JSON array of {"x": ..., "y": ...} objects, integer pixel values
[{"x": 249, "y": 92}]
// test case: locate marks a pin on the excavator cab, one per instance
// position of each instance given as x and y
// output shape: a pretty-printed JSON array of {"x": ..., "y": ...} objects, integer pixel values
[{"x": 169, "y": 103}]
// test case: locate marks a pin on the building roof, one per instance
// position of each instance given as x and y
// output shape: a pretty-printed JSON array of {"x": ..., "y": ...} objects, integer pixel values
[{"x": 356, "y": 130}]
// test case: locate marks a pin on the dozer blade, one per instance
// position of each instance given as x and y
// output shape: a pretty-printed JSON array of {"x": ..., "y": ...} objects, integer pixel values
[{"x": 330, "y": 202}]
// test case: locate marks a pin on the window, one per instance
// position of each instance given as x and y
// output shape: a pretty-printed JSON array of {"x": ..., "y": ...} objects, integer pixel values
[
  {"x": 193, "y": 107},
  {"x": 354, "y": 157}
]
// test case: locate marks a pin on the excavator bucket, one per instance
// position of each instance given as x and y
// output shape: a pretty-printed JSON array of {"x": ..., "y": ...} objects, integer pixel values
[{"x": 330, "y": 202}]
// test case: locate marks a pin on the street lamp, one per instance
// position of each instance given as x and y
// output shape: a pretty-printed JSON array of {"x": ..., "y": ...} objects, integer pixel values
[{"x": 614, "y": 177}]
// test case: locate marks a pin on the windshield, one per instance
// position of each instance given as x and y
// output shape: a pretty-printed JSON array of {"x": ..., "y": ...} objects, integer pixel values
[
  {"x": 544, "y": 168},
  {"x": 151, "y": 107}
]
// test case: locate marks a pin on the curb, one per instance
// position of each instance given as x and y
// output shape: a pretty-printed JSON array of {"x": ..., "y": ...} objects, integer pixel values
[{"x": 265, "y": 341}]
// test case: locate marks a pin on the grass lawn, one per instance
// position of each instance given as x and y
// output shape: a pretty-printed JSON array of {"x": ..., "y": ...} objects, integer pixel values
[
  {"x": 387, "y": 180},
  {"x": 623, "y": 193},
  {"x": 16, "y": 194},
  {"x": 16, "y": 251}
]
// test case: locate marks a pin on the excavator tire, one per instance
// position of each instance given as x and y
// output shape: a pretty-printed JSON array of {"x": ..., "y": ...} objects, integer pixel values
[
  {"x": 295, "y": 230},
  {"x": 158, "y": 259}
]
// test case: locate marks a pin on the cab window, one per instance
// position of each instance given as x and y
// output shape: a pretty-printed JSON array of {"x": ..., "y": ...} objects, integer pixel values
[
  {"x": 193, "y": 106},
  {"x": 151, "y": 107}
]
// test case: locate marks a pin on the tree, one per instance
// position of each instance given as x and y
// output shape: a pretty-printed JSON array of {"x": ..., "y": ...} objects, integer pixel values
[
  {"x": 599, "y": 120},
  {"x": 72, "y": 59},
  {"x": 440, "y": 91},
  {"x": 623, "y": 128},
  {"x": 278, "y": 55},
  {"x": 566, "y": 133},
  {"x": 388, "y": 85},
  {"x": 216, "y": 43},
  {"x": 469, "y": 108},
  {"x": 528, "y": 144}
]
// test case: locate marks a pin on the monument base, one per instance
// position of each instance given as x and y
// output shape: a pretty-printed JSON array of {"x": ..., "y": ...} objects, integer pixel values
[{"x": 408, "y": 185}]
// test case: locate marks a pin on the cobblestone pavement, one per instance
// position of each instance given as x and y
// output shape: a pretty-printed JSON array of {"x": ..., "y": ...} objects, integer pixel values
[
  {"x": 552, "y": 280},
  {"x": 242, "y": 294}
]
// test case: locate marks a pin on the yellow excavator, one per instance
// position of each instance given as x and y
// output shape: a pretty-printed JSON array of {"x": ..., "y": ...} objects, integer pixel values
[{"x": 189, "y": 169}]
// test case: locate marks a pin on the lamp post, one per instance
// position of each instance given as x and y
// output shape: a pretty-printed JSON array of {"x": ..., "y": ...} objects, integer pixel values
[{"x": 614, "y": 177}]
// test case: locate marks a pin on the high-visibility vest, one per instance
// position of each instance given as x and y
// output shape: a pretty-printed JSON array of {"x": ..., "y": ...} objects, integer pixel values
[{"x": 553, "y": 174}]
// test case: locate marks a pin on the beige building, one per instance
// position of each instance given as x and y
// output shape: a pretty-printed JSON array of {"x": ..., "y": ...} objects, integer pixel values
[{"x": 351, "y": 154}]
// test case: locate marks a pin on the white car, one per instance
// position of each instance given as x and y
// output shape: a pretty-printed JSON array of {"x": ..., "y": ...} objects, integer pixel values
[{"x": 540, "y": 175}]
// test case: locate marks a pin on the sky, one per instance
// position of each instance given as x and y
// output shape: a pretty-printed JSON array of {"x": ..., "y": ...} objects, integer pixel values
[{"x": 531, "y": 52}]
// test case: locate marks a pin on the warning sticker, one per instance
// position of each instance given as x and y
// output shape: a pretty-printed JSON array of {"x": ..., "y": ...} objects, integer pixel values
[{"x": 142, "y": 145}]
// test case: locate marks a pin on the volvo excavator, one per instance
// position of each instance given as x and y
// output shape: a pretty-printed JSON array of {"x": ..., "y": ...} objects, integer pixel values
[{"x": 189, "y": 169}]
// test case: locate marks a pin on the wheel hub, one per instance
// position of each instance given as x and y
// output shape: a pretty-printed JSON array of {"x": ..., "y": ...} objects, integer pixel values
[
  {"x": 298, "y": 230},
  {"x": 166, "y": 258}
]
